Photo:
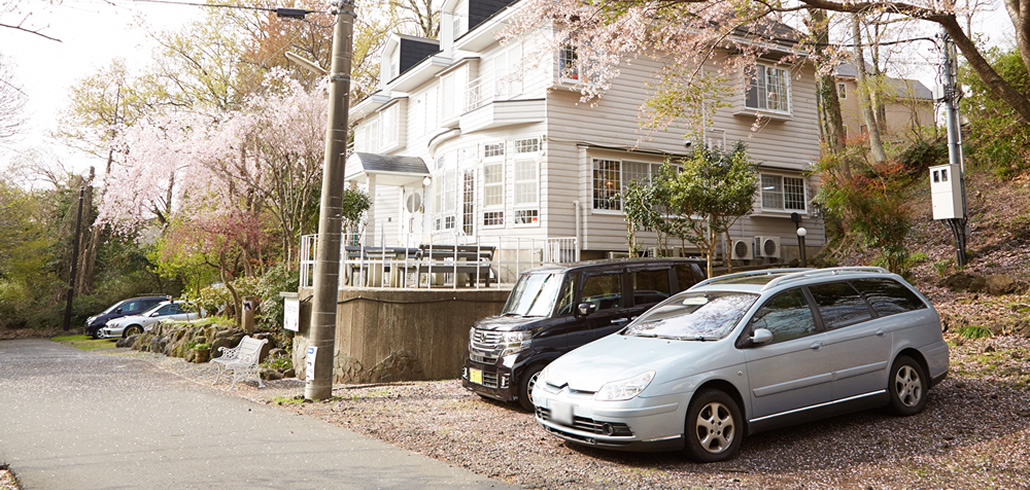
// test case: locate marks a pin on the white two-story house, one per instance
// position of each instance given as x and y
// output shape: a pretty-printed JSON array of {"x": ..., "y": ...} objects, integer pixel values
[{"x": 465, "y": 140}]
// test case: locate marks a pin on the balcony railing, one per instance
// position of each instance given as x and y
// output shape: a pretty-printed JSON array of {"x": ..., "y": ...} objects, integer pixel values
[{"x": 445, "y": 262}]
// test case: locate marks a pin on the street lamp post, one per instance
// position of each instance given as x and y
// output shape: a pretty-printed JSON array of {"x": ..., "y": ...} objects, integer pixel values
[
  {"x": 801, "y": 244},
  {"x": 319, "y": 384}
]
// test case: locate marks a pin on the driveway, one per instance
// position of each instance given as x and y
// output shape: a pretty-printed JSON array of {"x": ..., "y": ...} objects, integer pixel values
[{"x": 76, "y": 419}]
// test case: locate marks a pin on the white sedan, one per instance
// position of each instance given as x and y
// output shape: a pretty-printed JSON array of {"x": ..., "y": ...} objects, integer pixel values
[{"x": 136, "y": 324}]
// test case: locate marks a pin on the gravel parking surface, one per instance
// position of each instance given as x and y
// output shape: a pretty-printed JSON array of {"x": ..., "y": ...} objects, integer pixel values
[{"x": 975, "y": 433}]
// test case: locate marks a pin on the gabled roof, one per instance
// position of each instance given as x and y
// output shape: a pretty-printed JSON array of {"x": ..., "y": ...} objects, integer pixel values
[{"x": 900, "y": 87}]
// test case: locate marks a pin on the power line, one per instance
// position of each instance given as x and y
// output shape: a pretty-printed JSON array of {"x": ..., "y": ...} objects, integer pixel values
[{"x": 281, "y": 12}]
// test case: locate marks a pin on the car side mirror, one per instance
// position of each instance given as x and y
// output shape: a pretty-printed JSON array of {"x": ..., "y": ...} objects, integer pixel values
[
  {"x": 584, "y": 309},
  {"x": 156, "y": 313},
  {"x": 761, "y": 336},
  {"x": 118, "y": 310}
]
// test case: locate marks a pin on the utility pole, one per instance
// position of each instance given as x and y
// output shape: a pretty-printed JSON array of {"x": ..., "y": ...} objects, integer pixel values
[
  {"x": 75, "y": 263},
  {"x": 952, "y": 94},
  {"x": 319, "y": 385}
]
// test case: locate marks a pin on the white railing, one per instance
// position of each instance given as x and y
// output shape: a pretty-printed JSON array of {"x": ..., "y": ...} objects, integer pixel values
[{"x": 444, "y": 262}]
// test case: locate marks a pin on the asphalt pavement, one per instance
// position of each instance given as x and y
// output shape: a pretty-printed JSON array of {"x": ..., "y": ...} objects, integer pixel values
[{"x": 81, "y": 420}]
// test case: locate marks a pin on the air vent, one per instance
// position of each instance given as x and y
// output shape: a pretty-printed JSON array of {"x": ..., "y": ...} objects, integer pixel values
[
  {"x": 742, "y": 250},
  {"x": 767, "y": 246}
]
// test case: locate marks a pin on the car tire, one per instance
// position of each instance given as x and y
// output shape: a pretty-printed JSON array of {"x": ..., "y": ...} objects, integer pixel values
[
  {"x": 132, "y": 330},
  {"x": 526, "y": 383},
  {"x": 96, "y": 334},
  {"x": 714, "y": 427},
  {"x": 907, "y": 386}
]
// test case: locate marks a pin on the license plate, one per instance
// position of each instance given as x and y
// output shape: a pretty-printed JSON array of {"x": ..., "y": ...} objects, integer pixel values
[
  {"x": 561, "y": 412},
  {"x": 476, "y": 376}
]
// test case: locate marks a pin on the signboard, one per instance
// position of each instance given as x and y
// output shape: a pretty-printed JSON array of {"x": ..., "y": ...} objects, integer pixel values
[
  {"x": 309, "y": 363},
  {"x": 291, "y": 314}
]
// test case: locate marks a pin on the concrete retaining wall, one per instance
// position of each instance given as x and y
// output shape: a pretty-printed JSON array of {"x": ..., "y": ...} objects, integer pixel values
[{"x": 385, "y": 335}]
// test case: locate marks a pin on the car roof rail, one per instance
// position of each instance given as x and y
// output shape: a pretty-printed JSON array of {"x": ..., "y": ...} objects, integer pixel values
[
  {"x": 738, "y": 275},
  {"x": 831, "y": 271}
]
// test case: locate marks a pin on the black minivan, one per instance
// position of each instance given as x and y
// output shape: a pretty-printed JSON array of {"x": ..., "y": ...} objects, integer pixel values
[{"x": 556, "y": 308}]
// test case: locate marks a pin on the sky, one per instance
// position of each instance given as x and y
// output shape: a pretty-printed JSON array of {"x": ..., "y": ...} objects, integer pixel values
[
  {"x": 91, "y": 33},
  {"x": 94, "y": 32}
]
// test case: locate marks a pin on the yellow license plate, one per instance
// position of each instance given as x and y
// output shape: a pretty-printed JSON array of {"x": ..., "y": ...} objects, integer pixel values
[{"x": 476, "y": 376}]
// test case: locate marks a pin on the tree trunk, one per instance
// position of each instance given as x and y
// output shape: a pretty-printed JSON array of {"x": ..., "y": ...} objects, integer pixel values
[
  {"x": 829, "y": 103},
  {"x": 89, "y": 239},
  {"x": 865, "y": 102}
]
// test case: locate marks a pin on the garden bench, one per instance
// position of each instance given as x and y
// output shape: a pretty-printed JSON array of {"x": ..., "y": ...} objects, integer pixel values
[{"x": 242, "y": 360}]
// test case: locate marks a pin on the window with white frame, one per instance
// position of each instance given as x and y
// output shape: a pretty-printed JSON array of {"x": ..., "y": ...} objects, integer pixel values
[
  {"x": 460, "y": 24},
  {"x": 430, "y": 108},
  {"x": 783, "y": 193},
  {"x": 568, "y": 64},
  {"x": 389, "y": 126},
  {"x": 493, "y": 184},
  {"x": 366, "y": 138},
  {"x": 611, "y": 177},
  {"x": 506, "y": 72},
  {"x": 448, "y": 96},
  {"x": 526, "y": 196},
  {"x": 842, "y": 90},
  {"x": 769, "y": 89}
]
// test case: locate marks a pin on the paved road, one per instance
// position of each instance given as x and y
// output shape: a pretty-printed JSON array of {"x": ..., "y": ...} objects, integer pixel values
[{"x": 75, "y": 419}]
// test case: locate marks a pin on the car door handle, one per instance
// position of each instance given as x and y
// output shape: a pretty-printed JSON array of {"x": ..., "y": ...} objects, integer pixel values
[
  {"x": 881, "y": 332},
  {"x": 620, "y": 320},
  {"x": 816, "y": 346}
]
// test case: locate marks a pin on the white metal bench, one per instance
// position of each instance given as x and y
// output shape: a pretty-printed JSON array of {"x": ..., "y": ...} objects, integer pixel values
[{"x": 242, "y": 360}]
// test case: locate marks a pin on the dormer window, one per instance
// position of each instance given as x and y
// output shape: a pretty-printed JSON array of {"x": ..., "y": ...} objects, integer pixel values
[{"x": 395, "y": 62}]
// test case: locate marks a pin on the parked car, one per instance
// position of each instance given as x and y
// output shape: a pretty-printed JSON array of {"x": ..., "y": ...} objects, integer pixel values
[
  {"x": 136, "y": 324},
  {"x": 556, "y": 308},
  {"x": 125, "y": 307},
  {"x": 747, "y": 352}
]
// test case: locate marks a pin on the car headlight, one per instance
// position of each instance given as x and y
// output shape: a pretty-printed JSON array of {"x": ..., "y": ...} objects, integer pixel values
[
  {"x": 515, "y": 342},
  {"x": 624, "y": 389}
]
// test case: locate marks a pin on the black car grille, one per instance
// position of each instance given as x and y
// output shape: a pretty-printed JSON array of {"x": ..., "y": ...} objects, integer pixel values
[
  {"x": 485, "y": 346},
  {"x": 589, "y": 425}
]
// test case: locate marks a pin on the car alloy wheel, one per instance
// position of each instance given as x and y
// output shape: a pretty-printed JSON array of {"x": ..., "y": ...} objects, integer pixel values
[
  {"x": 132, "y": 330},
  {"x": 907, "y": 386},
  {"x": 529, "y": 379},
  {"x": 713, "y": 426}
]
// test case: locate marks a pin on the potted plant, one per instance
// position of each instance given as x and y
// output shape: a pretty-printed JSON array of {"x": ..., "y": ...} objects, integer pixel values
[{"x": 201, "y": 352}]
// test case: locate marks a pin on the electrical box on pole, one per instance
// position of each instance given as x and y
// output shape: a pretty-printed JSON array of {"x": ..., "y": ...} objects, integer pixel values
[{"x": 946, "y": 191}]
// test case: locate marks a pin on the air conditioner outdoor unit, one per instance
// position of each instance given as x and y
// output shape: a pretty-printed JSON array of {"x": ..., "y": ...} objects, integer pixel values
[
  {"x": 652, "y": 252},
  {"x": 742, "y": 250},
  {"x": 618, "y": 255},
  {"x": 767, "y": 246}
]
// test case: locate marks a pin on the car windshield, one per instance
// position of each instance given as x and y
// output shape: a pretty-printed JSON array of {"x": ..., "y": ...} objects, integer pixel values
[
  {"x": 534, "y": 295},
  {"x": 693, "y": 316}
]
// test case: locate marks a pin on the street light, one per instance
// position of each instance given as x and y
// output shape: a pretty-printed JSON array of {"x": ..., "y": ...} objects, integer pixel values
[
  {"x": 306, "y": 64},
  {"x": 801, "y": 245}
]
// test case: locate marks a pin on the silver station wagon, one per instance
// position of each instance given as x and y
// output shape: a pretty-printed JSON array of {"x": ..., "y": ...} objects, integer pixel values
[{"x": 747, "y": 352}]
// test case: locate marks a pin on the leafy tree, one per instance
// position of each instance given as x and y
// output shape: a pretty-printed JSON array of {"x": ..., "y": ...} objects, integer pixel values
[
  {"x": 997, "y": 137},
  {"x": 871, "y": 203},
  {"x": 712, "y": 190}
]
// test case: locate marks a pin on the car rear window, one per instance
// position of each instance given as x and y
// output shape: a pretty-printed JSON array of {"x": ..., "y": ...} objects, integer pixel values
[
  {"x": 839, "y": 304},
  {"x": 650, "y": 287},
  {"x": 888, "y": 297}
]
